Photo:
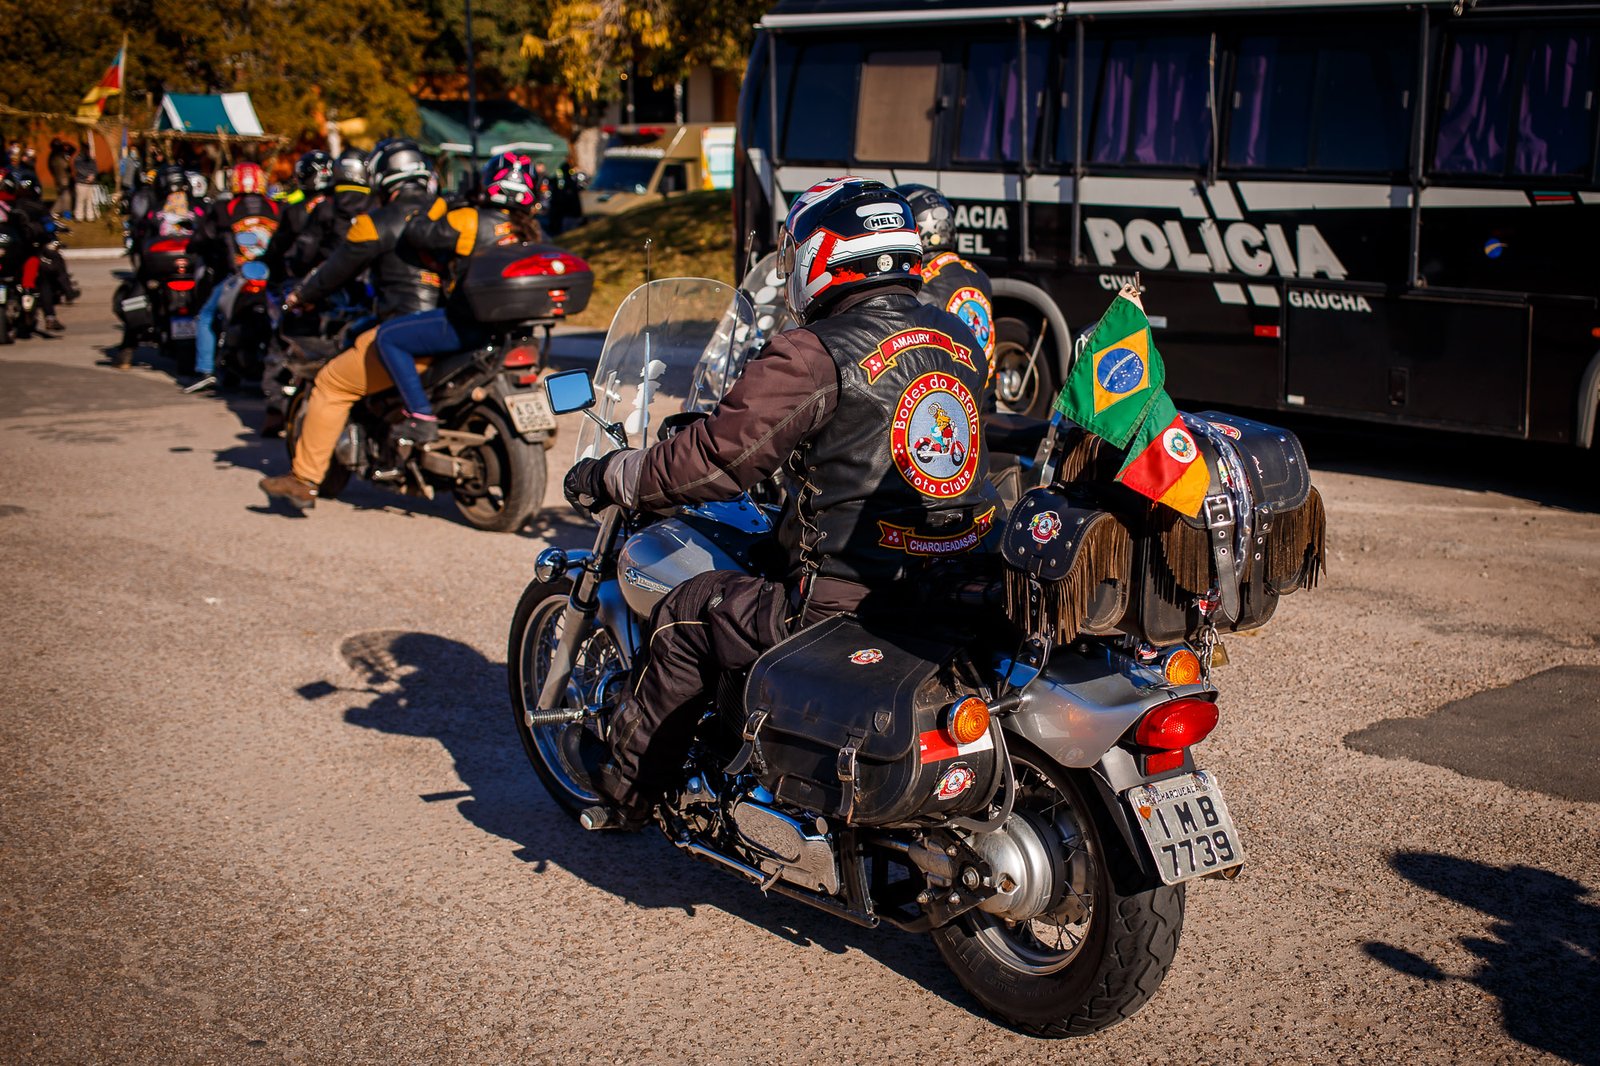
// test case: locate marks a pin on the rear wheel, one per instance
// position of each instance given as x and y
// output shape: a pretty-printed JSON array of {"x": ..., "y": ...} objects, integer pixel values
[
  {"x": 338, "y": 475},
  {"x": 511, "y": 475},
  {"x": 24, "y": 321},
  {"x": 536, "y": 628},
  {"x": 1023, "y": 384},
  {"x": 5, "y": 324},
  {"x": 1103, "y": 945}
]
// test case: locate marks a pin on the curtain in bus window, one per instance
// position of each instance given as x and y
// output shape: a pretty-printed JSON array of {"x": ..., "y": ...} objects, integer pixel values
[
  {"x": 1476, "y": 109},
  {"x": 1152, "y": 102},
  {"x": 1066, "y": 106},
  {"x": 990, "y": 99},
  {"x": 1271, "y": 121},
  {"x": 1555, "y": 121},
  {"x": 1363, "y": 104},
  {"x": 820, "y": 103},
  {"x": 895, "y": 113}
]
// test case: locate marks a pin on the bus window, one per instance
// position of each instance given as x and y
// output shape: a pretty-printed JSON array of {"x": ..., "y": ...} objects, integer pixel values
[
  {"x": 1544, "y": 79},
  {"x": 820, "y": 102},
  {"x": 989, "y": 100},
  {"x": 1340, "y": 105},
  {"x": 1066, "y": 106},
  {"x": 898, "y": 99},
  {"x": 1152, "y": 102}
]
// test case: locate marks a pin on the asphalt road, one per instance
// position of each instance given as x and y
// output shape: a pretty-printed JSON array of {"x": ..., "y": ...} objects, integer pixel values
[{"x": 262, "y": 801}]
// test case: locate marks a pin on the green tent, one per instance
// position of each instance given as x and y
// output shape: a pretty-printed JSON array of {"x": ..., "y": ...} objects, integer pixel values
[
  {"x": 502, "y": 126},
  {"x": 227, "y": 113}
]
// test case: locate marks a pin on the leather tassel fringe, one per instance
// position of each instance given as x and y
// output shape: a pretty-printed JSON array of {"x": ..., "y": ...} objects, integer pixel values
[
  {"x": 1078, "y": 456},
  {"x": 1186, "y": 550},
  {"x": 1106, "y": 554},
  {"x": 1297, "y": 550}
]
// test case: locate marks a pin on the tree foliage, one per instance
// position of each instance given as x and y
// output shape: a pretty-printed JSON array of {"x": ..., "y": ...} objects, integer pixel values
[{"x": 302, "y": 59}]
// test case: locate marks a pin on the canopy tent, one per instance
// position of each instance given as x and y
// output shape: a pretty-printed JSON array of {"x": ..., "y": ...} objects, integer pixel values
[
  {"x": 226, "y": 114},
  {"x": 502, "y": 126}
]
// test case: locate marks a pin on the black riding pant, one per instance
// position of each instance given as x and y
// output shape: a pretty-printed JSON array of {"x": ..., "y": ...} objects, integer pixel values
[{"x": 713, "y": 623}]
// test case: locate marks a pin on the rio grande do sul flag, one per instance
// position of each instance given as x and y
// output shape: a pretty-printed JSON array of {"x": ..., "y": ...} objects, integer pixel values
[
  {"x": 1164, "y": 462},
  {"x": 1117, "y": 376}
]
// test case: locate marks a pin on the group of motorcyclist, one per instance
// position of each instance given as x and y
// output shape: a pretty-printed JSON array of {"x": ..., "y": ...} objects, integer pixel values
[{"x": 30, "y": 235}]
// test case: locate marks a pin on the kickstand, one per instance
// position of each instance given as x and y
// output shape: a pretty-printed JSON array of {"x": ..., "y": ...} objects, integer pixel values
[
  {"x": 417, "y": 479},
  {"x": 209, "y": 379}
]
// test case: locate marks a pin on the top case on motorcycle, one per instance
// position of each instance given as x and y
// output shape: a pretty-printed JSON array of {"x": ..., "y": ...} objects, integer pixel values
[
  {"x": 508, "y": 283},
  {"x": 846, "y": 720}
]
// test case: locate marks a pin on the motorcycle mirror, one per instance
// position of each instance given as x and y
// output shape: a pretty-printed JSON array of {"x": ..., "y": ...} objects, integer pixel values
[{"x": 570, "y": 390}]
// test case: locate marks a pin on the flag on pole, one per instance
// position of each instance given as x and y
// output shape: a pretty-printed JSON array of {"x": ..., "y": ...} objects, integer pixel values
[
  {"x": 1117, "y": 390},
  {"x": 1118, "y": 376},
  {"x": 93, "y": 104}
]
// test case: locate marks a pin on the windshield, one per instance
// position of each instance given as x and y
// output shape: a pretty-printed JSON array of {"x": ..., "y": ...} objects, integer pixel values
[
  {"x": 674, "y": 345},
  {"x": 620, "y": 173}
]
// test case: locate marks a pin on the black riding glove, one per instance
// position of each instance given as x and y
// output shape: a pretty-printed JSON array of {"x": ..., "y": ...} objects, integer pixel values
[{"x": 585, "y": 484}]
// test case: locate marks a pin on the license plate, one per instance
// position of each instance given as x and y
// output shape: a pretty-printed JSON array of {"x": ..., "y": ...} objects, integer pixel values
[
  {"x": 3, "y": 294},
  {"x": 182, "y": 329},
  {"x": 530, "y": 411},
  {"x": 1186, "y": 826}
]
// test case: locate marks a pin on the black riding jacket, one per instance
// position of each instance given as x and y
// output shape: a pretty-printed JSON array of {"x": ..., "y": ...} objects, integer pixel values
[
  {"x": 407, "y": 279},
  {"x": 953, "y": 284}
]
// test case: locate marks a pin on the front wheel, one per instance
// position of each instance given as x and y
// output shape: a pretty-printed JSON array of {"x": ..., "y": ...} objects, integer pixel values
[
  {"x": 1104, "y": 946},
  {"x": 511, "y": 475},
  {"x": 1023, "y": 384},
  {"x": 537, "y": 628}
]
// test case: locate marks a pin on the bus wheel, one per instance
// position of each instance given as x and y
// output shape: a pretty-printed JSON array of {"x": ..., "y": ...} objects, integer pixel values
[{"x": 1023, "y": 384}]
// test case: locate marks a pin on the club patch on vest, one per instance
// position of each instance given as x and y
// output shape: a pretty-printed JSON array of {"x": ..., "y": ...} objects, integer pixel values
[
  {"x": 934, "y": 436},
  {"x": 972, "y": 307},
  {"x": 908, "y": 540},
  {"x": 931, "y": 268},
  {"x": 884, "y": 357}
]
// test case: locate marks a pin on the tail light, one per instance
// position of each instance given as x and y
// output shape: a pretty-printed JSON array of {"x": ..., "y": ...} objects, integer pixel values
[
  {"x": 557, "y": 263},
  {"x": 170, "y": 246},
  {"x": 520, "y": 356},
  {"x": 966, "y": 722},
  {"x": 1170, "y": 728},
  {"x": 180, "y": 284},
  {"x": 255, "y": 286}
]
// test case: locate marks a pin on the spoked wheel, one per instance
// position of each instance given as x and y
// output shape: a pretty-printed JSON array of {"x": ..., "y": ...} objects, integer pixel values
[
  {"x": 338, "y": 475},
  {"x": 1098, "y": 937},
  {"x": 1022, "y": 384},
  {"x": 511, "y": 475},
  {"x": 536, "y": 628}
]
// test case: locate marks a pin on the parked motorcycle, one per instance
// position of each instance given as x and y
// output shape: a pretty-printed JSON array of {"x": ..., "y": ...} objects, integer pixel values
[
  {"x": 19, "y": 292},
  {"x": 1033, "y": 803}
]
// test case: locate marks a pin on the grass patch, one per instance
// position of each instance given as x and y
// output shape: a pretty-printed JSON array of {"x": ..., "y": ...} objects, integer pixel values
[
  {"x": 692, "y": 235},
  {"x": 103, "y": 232}
]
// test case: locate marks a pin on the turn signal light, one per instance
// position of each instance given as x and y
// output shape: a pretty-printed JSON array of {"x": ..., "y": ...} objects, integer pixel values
[
  {"x": 1183, "y": 668},
  {"x": 967, "y": 721},
  {"x": 1177, "y": 724}
]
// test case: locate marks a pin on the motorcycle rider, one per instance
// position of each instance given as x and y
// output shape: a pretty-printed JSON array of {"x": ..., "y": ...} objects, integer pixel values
[
  {"x": 950, "y": 282},
  {"x": 30, "y": 217},
  {"x": 406, "y": 281},
  {"x": 349, "y": 199},
  {"x": 313, "y": 175},
  {"x": 507, "y": 216},
  {"x": 870, "y": 410},
  {"x": 234, "y": 232}
]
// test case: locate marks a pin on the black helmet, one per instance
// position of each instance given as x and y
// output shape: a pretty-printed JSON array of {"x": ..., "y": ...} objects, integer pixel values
[
  {"x": 351, "y": 169},
  {"x": 313, "y": 172},
  {"x": 509, "y": 181},
  {"x": 936, "y": 219},
  {"x": 18, "y": 182},
  {"x": 172, "y": 178},
  {"x": 397, "y": 162},
  {"x": 842, "y": 236}
]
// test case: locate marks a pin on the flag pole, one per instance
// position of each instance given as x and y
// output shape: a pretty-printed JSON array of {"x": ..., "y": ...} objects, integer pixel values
[{"x": 122, "y": 105}]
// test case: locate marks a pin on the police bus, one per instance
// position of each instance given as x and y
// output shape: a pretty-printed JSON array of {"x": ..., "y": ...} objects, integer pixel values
[{"x": 1359, "y": 208}]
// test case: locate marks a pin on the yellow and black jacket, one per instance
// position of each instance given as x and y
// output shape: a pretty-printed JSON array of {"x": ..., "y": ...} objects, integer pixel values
[
  {"x": 457, "y": 234},
  {"x": 406, "y": 278}
]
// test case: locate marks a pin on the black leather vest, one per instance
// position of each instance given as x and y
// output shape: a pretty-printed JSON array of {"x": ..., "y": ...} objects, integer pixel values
[
  {"x": 897, "y": 478},
  {"x": 952, "y": 284}
]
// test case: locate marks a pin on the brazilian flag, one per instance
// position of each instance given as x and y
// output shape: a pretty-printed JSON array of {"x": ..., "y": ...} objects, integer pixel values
[{"x": 1117, "y": 376}]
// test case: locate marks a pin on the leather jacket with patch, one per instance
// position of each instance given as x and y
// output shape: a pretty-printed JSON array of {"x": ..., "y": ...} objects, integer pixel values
[
  {"x": 953, "y": 284},
  {"x": 236, "y": 231},
  {"x": 456, "y": 235},
  {"x": 407, "y": 279},
  {"x": 329, "y": 223}
]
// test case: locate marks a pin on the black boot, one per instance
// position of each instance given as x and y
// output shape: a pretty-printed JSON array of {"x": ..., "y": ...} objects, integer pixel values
[{"x": 414, "y": 429}]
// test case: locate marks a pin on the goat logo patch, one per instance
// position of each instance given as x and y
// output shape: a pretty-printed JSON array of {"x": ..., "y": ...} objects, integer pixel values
[
  {"x": 867, "y": 656},
  {"x": 934, "y": 437},
  {"x": 955, "y": 781}
]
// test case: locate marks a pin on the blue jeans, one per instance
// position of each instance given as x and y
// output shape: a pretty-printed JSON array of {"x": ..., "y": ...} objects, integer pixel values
[
  {"x": 205, "y": 331},
  {"x": 402, "y": 340}
]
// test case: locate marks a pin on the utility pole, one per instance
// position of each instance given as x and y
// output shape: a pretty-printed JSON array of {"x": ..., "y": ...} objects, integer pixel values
[{"x": 472, "y": 93}]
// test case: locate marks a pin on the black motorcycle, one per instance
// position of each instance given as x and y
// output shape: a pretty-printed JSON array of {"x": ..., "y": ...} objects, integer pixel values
[
  {"x": 162, "y": 301},
  {"x": 19, "y": 295}
]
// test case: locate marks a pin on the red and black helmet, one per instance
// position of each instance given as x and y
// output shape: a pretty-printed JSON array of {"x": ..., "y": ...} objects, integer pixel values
[
  {"x": 509, "y": 181},
  {"x": 842, "y": 236}
]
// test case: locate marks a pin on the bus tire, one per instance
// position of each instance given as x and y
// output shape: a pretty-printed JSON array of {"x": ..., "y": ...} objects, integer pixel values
[{"x": 1023, "y": 384}]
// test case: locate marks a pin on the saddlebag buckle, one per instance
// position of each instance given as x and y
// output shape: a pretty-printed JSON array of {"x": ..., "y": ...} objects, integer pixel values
[
  {"x": 750, "y": 751},
  {"x": 846, "y": 766}
]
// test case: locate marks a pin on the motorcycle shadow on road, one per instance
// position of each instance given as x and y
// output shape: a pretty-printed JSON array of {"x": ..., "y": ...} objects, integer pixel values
[
  {"x": 1540, "y": 955},
  {"x": 424, "y": 685}
]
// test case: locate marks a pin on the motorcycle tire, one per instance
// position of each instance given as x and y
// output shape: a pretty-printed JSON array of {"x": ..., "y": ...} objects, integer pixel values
[
  {"x": 512, "y": 487},
  {"x": 181, "y": 353},
  {"x": 6, "y": 336},
  {"x": 1022, "y": 385},
  {"x": 1085, "y": 981},
  {"x": 552, "y": 750},
  {"x": 338, "y": 475},
  {"x": 24, "y": 324}
]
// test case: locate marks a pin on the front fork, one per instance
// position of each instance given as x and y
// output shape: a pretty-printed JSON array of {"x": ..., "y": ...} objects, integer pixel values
[{"x": 581, "y": 609}]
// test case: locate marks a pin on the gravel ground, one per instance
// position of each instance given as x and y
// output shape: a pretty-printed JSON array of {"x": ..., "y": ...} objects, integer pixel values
[{"x": 262, "y": 800}]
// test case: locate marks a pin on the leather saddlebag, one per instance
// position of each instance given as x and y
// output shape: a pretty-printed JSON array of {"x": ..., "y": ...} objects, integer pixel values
[{"x": 844, "y": 722}]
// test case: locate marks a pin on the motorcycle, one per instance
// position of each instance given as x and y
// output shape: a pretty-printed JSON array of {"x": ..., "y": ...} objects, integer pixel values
[
  {"x": 163, "y": 299},
  {"x": 1035, "y": 808},
  {"x": 244, "y": 326},
  {"x": 493, "y": 428}
]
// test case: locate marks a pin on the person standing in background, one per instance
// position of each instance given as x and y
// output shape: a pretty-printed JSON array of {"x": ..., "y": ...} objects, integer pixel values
[
  {"x": 86, "y": 191},
  {"x": 60, "y": 163}
]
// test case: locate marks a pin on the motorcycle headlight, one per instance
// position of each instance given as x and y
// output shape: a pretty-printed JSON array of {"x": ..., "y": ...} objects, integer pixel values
[{"x": 551, "y": 564}]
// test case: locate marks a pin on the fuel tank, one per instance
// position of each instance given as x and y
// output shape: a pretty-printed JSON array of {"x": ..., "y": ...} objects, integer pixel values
[{"x": 712, "y": 536}]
